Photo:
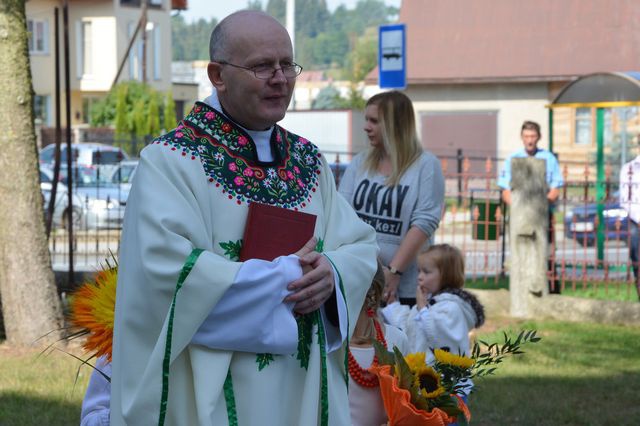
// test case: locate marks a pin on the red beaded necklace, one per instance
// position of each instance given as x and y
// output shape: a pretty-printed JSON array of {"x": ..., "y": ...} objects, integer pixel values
[{"x": 363, "y": 376}]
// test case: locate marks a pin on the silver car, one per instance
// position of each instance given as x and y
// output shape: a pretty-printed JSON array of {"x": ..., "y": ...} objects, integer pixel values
[
  {"x": 103, "y": 202},
  {"x": 123, "y": 173},
  {"x": 60, "y": 210},
  {"x": 84, "y": 154}
]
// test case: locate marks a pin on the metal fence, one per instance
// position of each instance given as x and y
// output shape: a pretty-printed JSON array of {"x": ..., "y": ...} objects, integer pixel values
[{"x": 585, "y": 254}]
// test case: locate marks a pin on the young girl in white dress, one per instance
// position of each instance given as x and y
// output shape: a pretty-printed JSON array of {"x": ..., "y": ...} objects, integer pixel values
[
  {"x": 365, "y": 401},
  {"x": 444, "y": 313}
]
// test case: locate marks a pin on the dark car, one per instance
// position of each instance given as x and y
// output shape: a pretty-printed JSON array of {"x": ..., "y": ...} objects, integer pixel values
[{"x": 580, "y": 223}]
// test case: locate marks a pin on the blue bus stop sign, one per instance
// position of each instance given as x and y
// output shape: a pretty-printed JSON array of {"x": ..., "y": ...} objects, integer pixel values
[{"x": 392, "y": 57}]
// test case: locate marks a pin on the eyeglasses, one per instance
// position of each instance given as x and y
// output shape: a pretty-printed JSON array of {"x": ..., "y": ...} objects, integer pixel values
[{"x": 266, "y": 72}]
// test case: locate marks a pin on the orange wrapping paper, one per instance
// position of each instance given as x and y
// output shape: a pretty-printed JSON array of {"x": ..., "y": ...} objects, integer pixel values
[{"x": 400, "y": 410}]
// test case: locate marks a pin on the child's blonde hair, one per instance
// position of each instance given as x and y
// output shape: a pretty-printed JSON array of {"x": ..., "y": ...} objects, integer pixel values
[
  {"x": 374, "y": 295},
  {"x": 450, "y": 263},
  {"x": 371, "y": 302}
]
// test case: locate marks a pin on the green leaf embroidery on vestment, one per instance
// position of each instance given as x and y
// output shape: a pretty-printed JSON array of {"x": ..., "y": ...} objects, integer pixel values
[
  {"x": 232, "y": 249},
  {"x": 230, "y": 399},
  {"x": 320, "y": 245},
  {"x": 263, "y": 360},
  {"x": 324, "y": 383},
  {"x": 305, "y": 327}
]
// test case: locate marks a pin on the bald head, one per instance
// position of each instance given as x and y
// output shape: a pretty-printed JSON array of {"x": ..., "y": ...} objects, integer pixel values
[
  {"x": 243, "y": 23},
  {"x": 242, "y": 43}
]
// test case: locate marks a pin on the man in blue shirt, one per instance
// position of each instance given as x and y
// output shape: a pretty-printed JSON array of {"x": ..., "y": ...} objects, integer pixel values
[{"x": 530, "y": 135}]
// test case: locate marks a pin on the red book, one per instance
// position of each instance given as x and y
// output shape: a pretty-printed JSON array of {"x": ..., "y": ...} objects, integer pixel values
[{"x": 273, "y": 231}]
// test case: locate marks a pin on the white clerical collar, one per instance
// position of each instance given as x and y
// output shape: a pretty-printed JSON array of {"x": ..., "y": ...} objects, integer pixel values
[{"x": 262, "y": 138}]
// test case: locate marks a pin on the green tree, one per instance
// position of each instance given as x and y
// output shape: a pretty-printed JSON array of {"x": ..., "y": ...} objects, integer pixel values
[
  {"x": 139, "y": 119},
  {"x": 328, "y": 98},
  {"x": 363, "y": 57},
  {"x": 277, "y": 9},
  {"x": 31, "y": 307},
  {"x": 134, "y": 109},
  {"x": 121, "y": 118},
  {"x": 190, "y": 42},
  {"x": 255, "y": 5},
  {"x": 311, "y": 17},
  {"x": 169, "y": 115},
  {"x": 152, "y": 126}
]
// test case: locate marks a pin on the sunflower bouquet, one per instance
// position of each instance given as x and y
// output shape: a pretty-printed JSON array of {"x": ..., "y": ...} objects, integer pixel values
[
  {"x": 91, "y": 311},
  {"x": 414, "y": 393}
]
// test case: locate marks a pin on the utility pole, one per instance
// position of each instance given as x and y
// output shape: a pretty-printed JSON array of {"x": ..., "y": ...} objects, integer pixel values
[
  {"x": 623, "y": 153},
  {"x": 67, "y": 83},
  {"x": 291, "y": 28},
  {"x": 143, "y": 26}
]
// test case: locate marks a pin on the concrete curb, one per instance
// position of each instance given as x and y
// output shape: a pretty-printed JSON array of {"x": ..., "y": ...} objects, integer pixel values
[{"x": 563, "y": 308}]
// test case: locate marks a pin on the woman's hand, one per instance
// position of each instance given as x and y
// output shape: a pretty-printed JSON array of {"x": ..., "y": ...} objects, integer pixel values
[{"x": 392, "y": 281}]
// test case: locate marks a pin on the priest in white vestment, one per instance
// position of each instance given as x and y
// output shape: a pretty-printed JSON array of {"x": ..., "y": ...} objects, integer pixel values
[{"x": 201, "y": 338}]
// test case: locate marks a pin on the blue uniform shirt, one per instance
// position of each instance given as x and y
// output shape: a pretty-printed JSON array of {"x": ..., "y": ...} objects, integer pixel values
[{"x": 554, "y": 177}]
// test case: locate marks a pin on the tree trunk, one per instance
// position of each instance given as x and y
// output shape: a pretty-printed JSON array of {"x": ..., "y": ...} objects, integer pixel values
[{"x": 30, "y": 303}]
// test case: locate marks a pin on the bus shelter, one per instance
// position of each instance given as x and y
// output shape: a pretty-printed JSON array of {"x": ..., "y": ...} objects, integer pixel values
[{"x": 600, "y": 91}]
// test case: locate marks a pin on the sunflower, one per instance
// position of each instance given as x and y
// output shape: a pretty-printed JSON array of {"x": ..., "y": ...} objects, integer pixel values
[
  {"x": 445, "y": 357},
  {"x": 428, "y": 381},
  {"x": 92, "y": 308},
  {"x": 415, "y": 360}
]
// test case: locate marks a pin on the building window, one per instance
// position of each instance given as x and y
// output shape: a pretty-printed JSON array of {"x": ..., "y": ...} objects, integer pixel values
[
  {"x": 179, "y": 110},
  {"x": 583, "y": 124},
  {"x": 609, "y": 118},
  {"x": 136, "y": 3},
  {"x": 87, "y": 104},
  {"x": 157, "y": 51},
  {"x": 135, "y": 54},
  {"x": 41, "y": 110},
  {"x": 84, "y": 46},
  {"x": 38, "y": 36}
]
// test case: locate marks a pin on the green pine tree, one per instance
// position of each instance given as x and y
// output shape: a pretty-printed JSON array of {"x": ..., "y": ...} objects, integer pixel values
[
  {"x": 153, "y": 116},
  {"x": 169, "y": 112},
  {"x": 122, "y": 123},
  {"x": 139, "y": 119}
]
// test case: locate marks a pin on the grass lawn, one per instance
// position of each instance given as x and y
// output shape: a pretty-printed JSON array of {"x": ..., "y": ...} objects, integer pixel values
[
  {"x": 578, "y": 374},
  {"x": 621, "y": 291},
  {"x": 40, "y": 389}
]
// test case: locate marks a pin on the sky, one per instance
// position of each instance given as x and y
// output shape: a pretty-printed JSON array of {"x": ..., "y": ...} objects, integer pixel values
[{"x": 221, "y": 8}]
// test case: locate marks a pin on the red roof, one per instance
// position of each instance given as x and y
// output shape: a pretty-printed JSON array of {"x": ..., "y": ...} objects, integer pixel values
[
  {"x": 509, "y": 40},
  {"x": 179, "y": 4}
]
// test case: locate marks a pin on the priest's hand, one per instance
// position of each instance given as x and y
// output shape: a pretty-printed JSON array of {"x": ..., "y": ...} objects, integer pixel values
[
  {"x": 316, "y": 285},
  {"x": 308, "y": 247}
]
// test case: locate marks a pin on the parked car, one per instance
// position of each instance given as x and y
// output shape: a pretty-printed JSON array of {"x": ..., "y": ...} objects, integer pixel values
[
  {"x": 102, "y": 201},
  {"x": 60, "y": 209},
  {"x": 84, "y": 154},
  {"x": 580, "y": 223},
  {"x": 123, "y": 173}
]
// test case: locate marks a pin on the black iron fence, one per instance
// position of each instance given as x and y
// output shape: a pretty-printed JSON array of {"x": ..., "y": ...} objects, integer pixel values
[{"x": 590, "y": 252}]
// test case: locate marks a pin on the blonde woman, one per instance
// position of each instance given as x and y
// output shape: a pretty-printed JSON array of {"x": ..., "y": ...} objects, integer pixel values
[{"x": 397, "y": 188}]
